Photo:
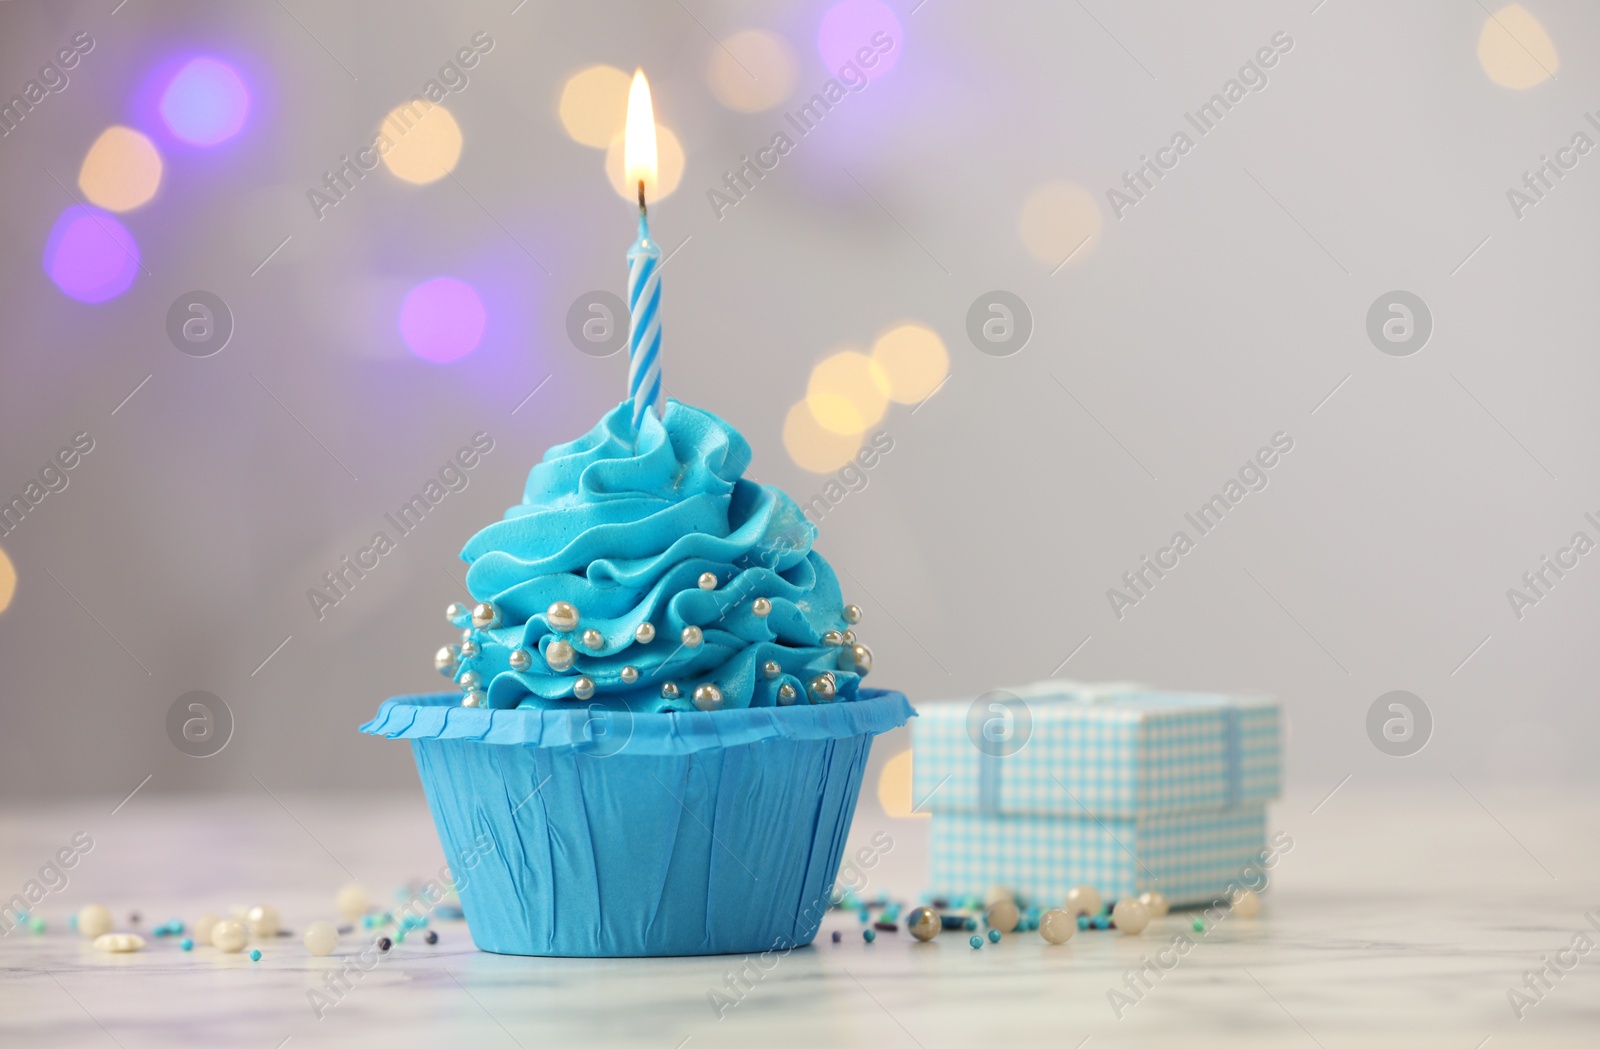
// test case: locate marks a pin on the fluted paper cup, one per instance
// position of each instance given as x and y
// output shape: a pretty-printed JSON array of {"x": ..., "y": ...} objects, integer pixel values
[{"x": 602, "y": 834}]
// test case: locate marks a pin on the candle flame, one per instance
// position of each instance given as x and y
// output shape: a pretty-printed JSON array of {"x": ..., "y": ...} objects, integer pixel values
[{"x": 639, "y": 140}]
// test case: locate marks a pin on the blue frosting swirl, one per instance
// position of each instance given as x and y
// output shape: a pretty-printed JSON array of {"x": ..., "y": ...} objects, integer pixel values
[{"x": 623, "y": 526}]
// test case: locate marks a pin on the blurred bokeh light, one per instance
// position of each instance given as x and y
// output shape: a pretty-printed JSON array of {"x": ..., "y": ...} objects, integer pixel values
[
  {"x": 594, "y": 104},
  {"x": 1058, "y": 220},
  {"x": 121, "y": 170},
  {"x": 8, "y": 580},
  {"x": 425, "y": 142},
  {"x": 811, "y": 446},
  {"x": 1515, "y": 51},
  {"x": 911, "y": 362},
  {"x": 206, "y": 102},
  {"x": 851, "y": 25},
  {"x": 442, "y": 319},
  {"x": 847, "y": 393},
  {"x": 669, "y": 159},
  {"x": 753, "y": 70},
  {"x": 90, "y": 255}
]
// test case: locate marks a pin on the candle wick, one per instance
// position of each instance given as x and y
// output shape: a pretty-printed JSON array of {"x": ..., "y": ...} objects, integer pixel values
[{"x": 642, "y": 211}]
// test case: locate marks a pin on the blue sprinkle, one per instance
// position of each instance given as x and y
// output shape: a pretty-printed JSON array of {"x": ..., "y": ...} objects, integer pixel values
[
  {"x": 255, "y": 956},
  {"x": 865, "y": 917},
  {"x": 994, "y": 935},
  {"x": 869, "y": 934},
  {"x": 186, "y": 943},
  {"x": 1083, "y": 921},
  {"x": 976, "y": 941},
  {"x": 972, "y": 923}
]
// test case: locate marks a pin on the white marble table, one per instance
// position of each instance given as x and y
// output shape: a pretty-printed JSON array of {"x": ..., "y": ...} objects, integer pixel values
[{"x": 1399, "y": 918}]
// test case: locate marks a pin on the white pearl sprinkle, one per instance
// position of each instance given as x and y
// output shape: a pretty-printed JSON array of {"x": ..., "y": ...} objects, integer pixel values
[
  {"x": 562, "y": 616},
  {"x": 583, "y": 688},
  {"x": 485, "y": 616},
  {"x": 669, "y": 691},
  {"x": 321, "y": 938},
  {"x": 708, "y": 697},
  {"x": 520, "y": 659},
  {"x": 629, "y": 675},
  {"x": 761, "y": 608},
  {"x": 708, "y": 580},
  {"x": 592, "y": 638},
  {"x": 786, "y": 693},
  {"x": 645, "y": 633},
  {"x": 852, "y": 614},
  {"x": 833, "y": 637},
  {"x": 559, "y": 655},
  {"x": 454, "y": 612},
  {"x": 771, "y": 669},
  {"x": 692, "y": 637}
]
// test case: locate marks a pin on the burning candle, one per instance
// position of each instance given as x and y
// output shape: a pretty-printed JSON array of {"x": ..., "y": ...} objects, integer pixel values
[{"x": 644, "y": 258}]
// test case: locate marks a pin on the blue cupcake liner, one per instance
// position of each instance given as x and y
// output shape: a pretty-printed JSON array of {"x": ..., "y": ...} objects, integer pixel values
[{"x": 602, "y": 834}]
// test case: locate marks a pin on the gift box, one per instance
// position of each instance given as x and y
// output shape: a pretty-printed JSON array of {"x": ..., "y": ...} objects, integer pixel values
[{"x": 1116, "y": 786}]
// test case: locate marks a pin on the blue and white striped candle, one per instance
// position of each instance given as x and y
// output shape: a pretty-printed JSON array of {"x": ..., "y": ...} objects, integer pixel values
[
  {"x": 644, "y": 258},
  {"x": 644, "y": 338}
]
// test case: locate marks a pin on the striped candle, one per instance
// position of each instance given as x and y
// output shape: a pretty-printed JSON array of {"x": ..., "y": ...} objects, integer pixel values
[{"x": 644, "y": 338}]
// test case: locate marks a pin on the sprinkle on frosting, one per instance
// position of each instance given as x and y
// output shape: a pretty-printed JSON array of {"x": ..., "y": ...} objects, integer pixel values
[{"x": 629, "y": 529}]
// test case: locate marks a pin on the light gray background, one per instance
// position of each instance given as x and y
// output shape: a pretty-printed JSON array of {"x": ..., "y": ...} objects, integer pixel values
[{"x": 1215, "y": 314}]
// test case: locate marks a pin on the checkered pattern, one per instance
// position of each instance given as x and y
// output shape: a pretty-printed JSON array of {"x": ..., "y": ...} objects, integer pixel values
[
  {"x": 1107, "y": 774},
  {"x": 1189, "y": 857}
]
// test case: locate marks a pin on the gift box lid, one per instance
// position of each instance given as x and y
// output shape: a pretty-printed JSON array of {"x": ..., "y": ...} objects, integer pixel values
[{"x": 1112, "y": 750}]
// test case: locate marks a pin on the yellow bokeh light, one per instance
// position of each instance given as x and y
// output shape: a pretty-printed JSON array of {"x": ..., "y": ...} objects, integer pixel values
[
  {"x": 1060, "y": 221},
  {"x": 420, "y": 141},
  {"x": 814, "y": 448},
  {"x": 594, "y": 104},
  {"x": 848, "y": 392},
  {"x": 669, "y": 165},
  {"x": 894, "y": 788},
  {"x": 752, "y": 70},
  {"x": 913, "y": 362},
  {"x": 8, "y": 581},
  {"x": 1515, "y": 51},
  {"x": 121, "y": 170}
]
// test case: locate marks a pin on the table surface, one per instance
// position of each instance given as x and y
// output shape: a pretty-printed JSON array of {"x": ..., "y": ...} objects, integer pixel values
[{"x": 1396, "y": 919}]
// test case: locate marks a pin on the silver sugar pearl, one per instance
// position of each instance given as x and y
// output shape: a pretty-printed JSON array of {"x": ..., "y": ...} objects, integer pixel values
[
  {"x": 469, "y": 649},
  {"x": 474, "y": 699},
  {"x": 669, "y": 691},
  {"x": 771, "y": 669},
  {"x": 583, "y": 687},
  {"x": 924, "y": 923},
  {"x": 559, "y": 655},
  {"x": 470, "y": 681},
  {"x": 852, "y": 614},
  {"x": 861, "y": 655},
  {"x": 708, "y": 697},
  {"x": 785, "y": 694},
  {"x": 833, "y": 637},
  {"x": 761, "y": 607},
  {"x": 644, "y": 633},
  {"x": 562, "y": 616},
  {"x": 593, "y": 639},
  {"x": 629, "y": 675},
  {"x": 466, "y": 635},
  {"x": 823, "y": 688},
  {"x": 520, "y": 659},
  {"x": 708, "y": 580},
  {"x": 485, "y": 616},
  {"x": 849, "y": 637},
  {"x": 445, "y": 660},
  {"x": 453, "y": 612},
  {"x": 692, "y": 637}
]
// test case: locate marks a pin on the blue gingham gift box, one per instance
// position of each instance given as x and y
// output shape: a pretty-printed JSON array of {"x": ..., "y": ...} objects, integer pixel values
[{"x": 1116, "y": 786}]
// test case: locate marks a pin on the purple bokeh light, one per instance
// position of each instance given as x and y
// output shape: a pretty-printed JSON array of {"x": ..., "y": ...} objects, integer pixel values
[
  {"x": 849, "y": 26},
  {"x": 442, "y": 319},
  {"x": 90, "y": 255},
  {"x": 206, "y": 102}
]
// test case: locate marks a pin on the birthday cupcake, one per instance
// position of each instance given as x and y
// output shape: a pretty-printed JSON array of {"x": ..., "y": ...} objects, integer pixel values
[{"x": 661, "y": 727}]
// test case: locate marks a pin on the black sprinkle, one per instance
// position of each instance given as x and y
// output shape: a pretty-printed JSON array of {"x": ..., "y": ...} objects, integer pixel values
[
  {"x": 284, "y": 932},
  {"x": 431, "y": 937},
  {"x": 133, "y": 917},
  {"x": 886, "y": 926},
  {"x": 384, "y": 943},
  {"x": 952, "y": 921},
  {"x": 940, "y": 905},
  {"x": 837, "y": 936},
  {"x": 346, "y": 928}
]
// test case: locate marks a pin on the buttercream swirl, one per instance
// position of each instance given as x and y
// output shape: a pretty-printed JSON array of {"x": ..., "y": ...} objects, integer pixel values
[{"x": 625, "y": 527}]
